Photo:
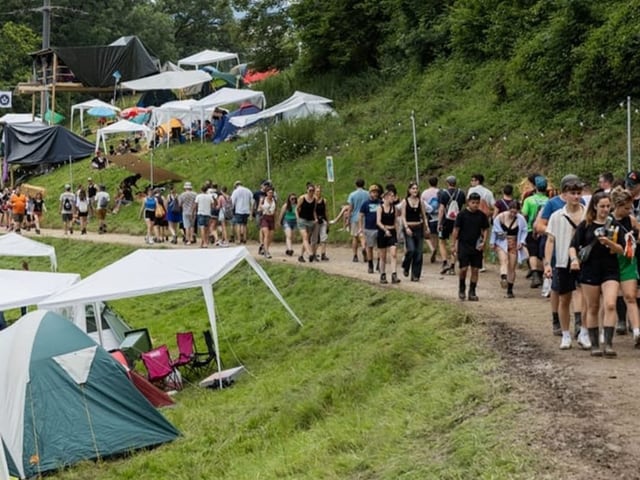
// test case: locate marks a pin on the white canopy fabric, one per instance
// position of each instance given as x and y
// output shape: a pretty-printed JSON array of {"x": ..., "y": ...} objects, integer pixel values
[
  {"x": 207, "y": 57},
  {"x": 180, "y": 109},
  {"x": 121, "y": 126},
  {"x": 21, "y": 288},
  {"x": 15, "y": 245},
  {"x": 89, "y": 104},
  {"x": 146, "y": 272},
  {"x": 298, "y": 105},
  {"x": 169, "y": 81},
  {"x": 13, "y": 118}
]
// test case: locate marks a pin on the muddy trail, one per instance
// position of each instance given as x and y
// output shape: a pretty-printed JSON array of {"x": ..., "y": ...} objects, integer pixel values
[{"x": 576, "y": 411}]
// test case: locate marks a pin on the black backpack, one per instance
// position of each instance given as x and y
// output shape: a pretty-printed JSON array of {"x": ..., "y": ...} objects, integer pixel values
[{"x": 66, "y": 204}]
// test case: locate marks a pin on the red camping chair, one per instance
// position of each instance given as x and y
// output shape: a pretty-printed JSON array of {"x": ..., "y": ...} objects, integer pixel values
[
  {"x": 186, "y": 349},
  {"x": 160, "y": 369}
]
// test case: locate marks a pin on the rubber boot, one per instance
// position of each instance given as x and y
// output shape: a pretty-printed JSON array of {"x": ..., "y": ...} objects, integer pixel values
[
  {"x": 608, "y": 342},
  {"x": 621, "y": 310},
  {"x": 594, "y": 336}
]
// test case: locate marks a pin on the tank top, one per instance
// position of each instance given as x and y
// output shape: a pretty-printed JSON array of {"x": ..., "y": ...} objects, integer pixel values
[
  {"x": 388, "y": 219},
  {"x": 290, "y": 214},
  {"x": 510, "y": 230},
  {"x": 150, "y": 203},
  {"x": 306, "y": 209},
  {"x": 268, "y": 207},
  {"x": 413, "y": 214},
  {"x": 321, "y": 209},
  {"x": 37, "y": 205}
]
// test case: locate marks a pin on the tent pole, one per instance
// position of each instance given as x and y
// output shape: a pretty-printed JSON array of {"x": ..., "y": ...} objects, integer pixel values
[
  {"x": 97, "y": 316},
  {"x": 70, "y": 173},
  {"x": 266, "y": 145},
  {"x": 415, "y": 145},
  {"x": 207, "y": 290}
]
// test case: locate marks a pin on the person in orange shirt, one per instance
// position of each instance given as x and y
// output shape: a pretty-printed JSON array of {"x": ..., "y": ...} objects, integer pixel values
[{"x": 18, "y": 204}]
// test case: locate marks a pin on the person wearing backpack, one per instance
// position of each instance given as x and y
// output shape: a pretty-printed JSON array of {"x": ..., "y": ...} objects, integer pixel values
[
  {"x": 102, "y": 204},
  {"x": 67, "y": 201},
  {"x": 431, "y": 204},
  {"x": 531, "y": 208},
  {"x": 451, "y": 201}
]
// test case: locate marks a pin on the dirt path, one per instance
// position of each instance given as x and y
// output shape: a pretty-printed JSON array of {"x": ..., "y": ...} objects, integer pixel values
[{"x": 579, "y": 412}]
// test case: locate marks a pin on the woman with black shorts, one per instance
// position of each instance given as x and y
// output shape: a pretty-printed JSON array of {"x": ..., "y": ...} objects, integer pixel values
[{"x": 387, "y": 236}]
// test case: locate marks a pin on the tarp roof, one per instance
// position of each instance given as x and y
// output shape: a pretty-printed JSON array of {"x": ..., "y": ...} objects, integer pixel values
[
  {"x": 94, "y": 66},
  {"x": 89, "y": 104},
  {"x": 169, "y": 80},
  {"x": 33, "y": 143},
  {"x": 121, "y": 126},
  {"x": 21, "y": 288},
  {"x": 227, "y": 96},
  {"x": 11, "y": 118},
  {"x": 15, "y": 245},
  {"x": 298, "y": 105},
  {"x": 146, "y": 272},
  {"x": 207, "y": 57}
]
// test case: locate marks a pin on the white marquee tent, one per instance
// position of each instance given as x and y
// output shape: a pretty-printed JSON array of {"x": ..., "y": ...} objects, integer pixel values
[
  {"x": 121, "y": 126},
  {"x": 15, "y": 245},
  {"x": 169, "y": 81},
  {"x": 145, "y": 272},
  {"x": 22, "y": 288},
  {"x": 88, "y": 105},
  {"x": 180, "y": 109},
  {"x": 298, "y": 105},
  {"x": 208, "y": 57},
  {"x": 13, "y": 118}
]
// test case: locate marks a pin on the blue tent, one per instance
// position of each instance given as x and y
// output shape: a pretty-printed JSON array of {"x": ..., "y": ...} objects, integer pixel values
[{"x": 228, "y": 129}]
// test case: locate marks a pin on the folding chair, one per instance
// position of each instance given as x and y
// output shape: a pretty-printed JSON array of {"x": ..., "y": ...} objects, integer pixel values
[
  {"x": 202, "y": 360},
  {"x": 186, "y": 349},
  {"x": 160, "y": 369}
]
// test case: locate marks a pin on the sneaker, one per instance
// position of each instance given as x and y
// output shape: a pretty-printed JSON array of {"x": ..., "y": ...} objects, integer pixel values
[
  {"x": 565, "y": 343},
  {"x": 405, "y": 272},
  {"x": 609, "y": 352},
  {"x": 267, "y": 255},
  {"x": 503, "y": 282},
  {"x": 261, "y": 249},
  {"x": 473, "y": 297},
  {"x": 482, "y": 270},
  {"x": 415, "y": 279},
  {"x": 324, "y": 258},
  {"x": 583, "y": 341},
  {"x": 383, "y": 278},
  {"x": 510, "y": 295},
  {"x": 312, "y": 258},
  {"x": 394, "y": 278},
  {"x": 445, "y": 268},
  {"x": 557, "y": 329},
  {"x": 355, "y": 259},
  {"x": 621, "y": 327},
  {"x": 452, "y": 270},
  {"x": 536, "y": 280},
  {"x": 301, "y": 259},
  {"x": 595, "y": 351},
  {"x": 461, "y": 295},
  {"x": 37, "y": 231}
]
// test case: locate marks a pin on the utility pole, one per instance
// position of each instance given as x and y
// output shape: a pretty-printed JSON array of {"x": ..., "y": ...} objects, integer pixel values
[{"x": 46, "y": 44}]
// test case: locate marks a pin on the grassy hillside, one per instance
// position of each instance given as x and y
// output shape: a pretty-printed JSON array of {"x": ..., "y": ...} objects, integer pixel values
[{"x": 376, "y": 384}]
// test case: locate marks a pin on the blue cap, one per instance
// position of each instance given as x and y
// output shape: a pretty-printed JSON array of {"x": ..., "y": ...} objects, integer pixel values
[{"x": 541, "y": 182}]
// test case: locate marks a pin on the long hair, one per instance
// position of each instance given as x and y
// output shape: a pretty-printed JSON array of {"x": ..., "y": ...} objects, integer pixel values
[
  {"x": 620, "y": 196},
  {"x": 290, "y": 205},
  {"x": 593, "y": 203},
  {"x": 411, "y": 184}
]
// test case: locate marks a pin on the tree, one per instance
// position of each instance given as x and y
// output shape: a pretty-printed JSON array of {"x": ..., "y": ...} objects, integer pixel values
[{"x": 16, "y": 43}]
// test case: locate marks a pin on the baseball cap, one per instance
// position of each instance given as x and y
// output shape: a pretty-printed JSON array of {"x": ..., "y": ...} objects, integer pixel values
[
  {"x": 67, "y": 186},
  {"x": 187, "y": 185},
  {"x": 570, "y": 181},
  {"x": 236, "y": 183},
  {"x": 541, "y": 182},
  {"x": 451, "y": 180},
  {"x": 374, "y": 188},
  {"x": 632, "y": 179}
]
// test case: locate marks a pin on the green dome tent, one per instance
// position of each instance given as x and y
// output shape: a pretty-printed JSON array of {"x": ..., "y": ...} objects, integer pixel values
[{"x": 64, "y": 399}]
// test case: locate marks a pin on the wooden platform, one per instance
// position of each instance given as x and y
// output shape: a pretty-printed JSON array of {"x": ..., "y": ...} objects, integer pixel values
[{"x": 227, "y": 376}]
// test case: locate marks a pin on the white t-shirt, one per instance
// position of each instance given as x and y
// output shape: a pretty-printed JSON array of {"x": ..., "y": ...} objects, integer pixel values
[
  {"x": 102, "y": 199},
  {"x": 204, "y": 202},
  {"x": 241, "y": 199},
  {"x": 485, "y": 194},
  {"x": 72, "y": 200},
  {"x": 562, "y": 231}
]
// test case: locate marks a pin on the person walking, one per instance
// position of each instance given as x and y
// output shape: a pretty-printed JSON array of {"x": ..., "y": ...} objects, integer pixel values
[
  {"x": 355, "y": 201},
  {"x": 306, "y": 220},
  {"x": 451, "y": 202},
  {"x": 593, "y": 251},
  {"x": 187, "y": 203},
  {"x": 468, "y": 240},
  {"x": 204, "y": 203},
  {"x": 174, "y": 214},
  {"x": 386, "y": 216},
  {"x": 102, "y": 205},
  {"x": 415, "y": 224},
  {"x": 83, "y": 206},
  {"x": 320, "y": 233},
  {"x": 148, "y": 212},
  {"x": 431, "y": 204},
  {"x": 531, "y": 208},
  {"x": 267, "y": 212},
  {"x": 508, "y": 239},
  {"x": 241, "y": 199},
  {"x": 368, "y": 224},
  {"x": 289, "y": 222},
  {"x": 67, "y": 202}
]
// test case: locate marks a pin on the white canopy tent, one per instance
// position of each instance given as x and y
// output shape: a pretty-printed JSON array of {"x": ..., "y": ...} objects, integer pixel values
[
  {"x": 121, "y": 126},
  {"x": 13, "y": 118},
  {"x": 299, "y": 105},
  {"x": 15, "y": 245},
  {"x": 88, "y": 105},
  {"x": 228, "y": 96},
  {"x": 21, "y": 288},
  {"x": 146, "y": 272},
  {"x": 180, "y": 109},
  {"x": 169, "y": 81},
  {"x": 208, "y": 57}
]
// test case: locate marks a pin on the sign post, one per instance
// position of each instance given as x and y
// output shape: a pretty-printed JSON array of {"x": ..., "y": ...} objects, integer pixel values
[{"x": 331, "y": 179}]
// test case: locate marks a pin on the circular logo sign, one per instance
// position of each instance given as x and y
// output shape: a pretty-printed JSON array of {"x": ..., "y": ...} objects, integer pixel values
[{"x": 5, "y": 99}]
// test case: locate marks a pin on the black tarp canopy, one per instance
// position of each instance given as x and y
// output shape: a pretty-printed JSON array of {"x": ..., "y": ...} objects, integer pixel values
[
  {"x": 95, "y": 66},
  {"x": 35, "y": 143}
]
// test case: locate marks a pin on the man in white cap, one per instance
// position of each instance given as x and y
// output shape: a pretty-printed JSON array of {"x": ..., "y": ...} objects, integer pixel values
[
  {"x": 67, "y": 202},
  {"x": 187, "y": 202}
]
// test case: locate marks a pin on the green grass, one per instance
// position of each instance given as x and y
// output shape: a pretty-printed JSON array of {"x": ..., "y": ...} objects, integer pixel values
[{"x": 378, "y": 383}]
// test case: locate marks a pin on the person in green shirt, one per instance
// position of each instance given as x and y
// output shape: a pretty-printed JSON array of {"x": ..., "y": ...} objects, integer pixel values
[{"x": 531, "y": 208}]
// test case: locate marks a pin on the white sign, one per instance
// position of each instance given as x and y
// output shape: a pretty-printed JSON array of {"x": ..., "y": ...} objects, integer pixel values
[
  {"x": 5, "y": 99},
  {"x": 330, "y": 175}
]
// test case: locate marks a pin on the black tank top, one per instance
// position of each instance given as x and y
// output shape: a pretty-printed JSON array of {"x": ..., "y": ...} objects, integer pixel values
[
  {"x": 306, "y": 209},
  {"x": 388, "y": 219},
  {"x": 413, "y": 214},
  {"x": 511, "y": 230},
  {"x": 321, "y": 209}
]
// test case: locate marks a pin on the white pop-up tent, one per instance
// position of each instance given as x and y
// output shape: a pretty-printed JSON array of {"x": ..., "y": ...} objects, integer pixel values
[
  {"x": 121, "y": 126},
  {"x": 22, "y": 288},
  {"x": 13, "y": 118},
  {"x": 180, "y": 109},
  {"x": 88, "y": 105},
  {"x": 208, "y": 57},
  {"x": 169, "y": 81},
  {"x": 15, "y": 245},
  {"x": 298, "y": 105},
  {"x": 146, "y": 272}
]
